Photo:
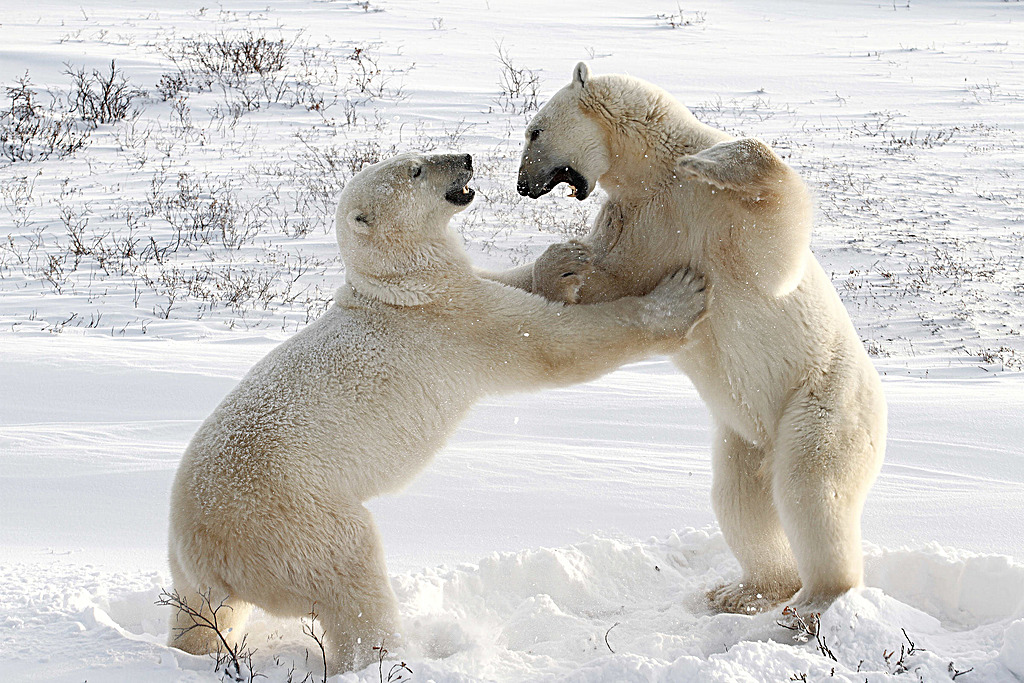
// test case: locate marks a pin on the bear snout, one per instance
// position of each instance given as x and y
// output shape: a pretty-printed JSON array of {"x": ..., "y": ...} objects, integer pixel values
[
  {"x": 523, "y": 186},
  {"x": 532, "y": 187},
  {"x": 547, "y": 181}
]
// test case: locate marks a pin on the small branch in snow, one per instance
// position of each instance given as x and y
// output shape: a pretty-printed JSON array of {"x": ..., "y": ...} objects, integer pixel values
[
  {"x": 318, "y": 639},
  {"x": 607, "y": 644},
  {"x": 823, "y": 647},
  {"x": 914, "y": 649},
  {"x": 396, "y": 673},
  {"x": 954, "y": 672},
  {"x": 804, "y": 626},
  {"x": 228, "y": 658}
]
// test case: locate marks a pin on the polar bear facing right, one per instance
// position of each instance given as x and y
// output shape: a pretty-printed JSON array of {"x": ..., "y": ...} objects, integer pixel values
[
  {"x": 797, "y": 405},
  {"x": 267, "y": 506}
]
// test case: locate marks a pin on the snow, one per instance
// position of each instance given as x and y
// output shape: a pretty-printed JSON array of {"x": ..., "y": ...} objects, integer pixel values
[
  {"x": 599, "y": 609},
  {"x": 565, "y": 535}
]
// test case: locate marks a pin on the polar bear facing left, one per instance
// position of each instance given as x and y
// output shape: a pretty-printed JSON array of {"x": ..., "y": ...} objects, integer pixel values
[
  {"x": 267, "y": 506},
  {"x": 798, "y": 407}
]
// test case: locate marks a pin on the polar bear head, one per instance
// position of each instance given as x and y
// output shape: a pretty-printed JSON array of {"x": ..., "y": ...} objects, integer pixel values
[
  {"x": 614, "y": 128},
  {"x": 392, "y": 224},
  {"x": 564, "y": 144}
]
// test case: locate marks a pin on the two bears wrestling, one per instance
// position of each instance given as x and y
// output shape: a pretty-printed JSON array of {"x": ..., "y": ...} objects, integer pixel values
[{"x": 267, "y": 506}]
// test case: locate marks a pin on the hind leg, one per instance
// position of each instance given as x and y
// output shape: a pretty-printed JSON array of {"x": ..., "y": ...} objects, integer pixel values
[
  {"x": 210, "y": 611},
  {"x": 326, "y": 556},
  {"x": 743, "y": 504},
  {"x": 360, "y": 611},
  {"x": 746, "y": 165},
  {"x": 827, "y": 456}
]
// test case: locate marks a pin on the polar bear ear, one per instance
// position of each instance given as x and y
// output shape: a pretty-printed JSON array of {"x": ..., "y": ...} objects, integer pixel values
[
  {"x": 581, "y": 74},
  {"x": 358, "y": 222}
]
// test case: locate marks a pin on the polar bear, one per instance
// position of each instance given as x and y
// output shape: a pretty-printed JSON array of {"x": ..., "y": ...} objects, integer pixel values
[
  {"x": 267, "y": 505},
  {"x": 799, "y": 415}
]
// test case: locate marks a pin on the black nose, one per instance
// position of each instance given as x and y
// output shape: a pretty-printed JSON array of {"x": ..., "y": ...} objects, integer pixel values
[
  {"x": 523, "y": 185},
  {"x": 467, "y": 162}
]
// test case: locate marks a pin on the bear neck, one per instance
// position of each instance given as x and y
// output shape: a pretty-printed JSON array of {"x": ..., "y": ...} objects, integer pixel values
[
  {"x": 401, "y": 275},
  {"x": 647, "y": 131}
]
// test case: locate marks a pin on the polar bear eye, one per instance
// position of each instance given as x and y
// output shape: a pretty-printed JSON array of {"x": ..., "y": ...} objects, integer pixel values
[
  {"x": 534, "y": 134},
  {"x": 416, "y": 172}
]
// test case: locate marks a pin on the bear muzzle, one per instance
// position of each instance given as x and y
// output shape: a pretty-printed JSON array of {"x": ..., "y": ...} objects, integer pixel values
[
  {"x": 460, "y": 193},
  {"x": 534, "y": 188}
]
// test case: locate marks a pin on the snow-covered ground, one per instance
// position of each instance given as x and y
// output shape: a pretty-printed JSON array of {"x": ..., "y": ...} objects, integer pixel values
[{"x": 560, "y": 536}]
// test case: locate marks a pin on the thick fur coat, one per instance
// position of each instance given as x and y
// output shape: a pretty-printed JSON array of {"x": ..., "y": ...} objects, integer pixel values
[
  {"x": 799, "y": 415},
  {"x": 267, "y": 506}
]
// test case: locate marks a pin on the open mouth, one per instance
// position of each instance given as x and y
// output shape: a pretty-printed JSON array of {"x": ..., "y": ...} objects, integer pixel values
[
  {"x": 461, "y": 193},
  {"x": 579, "y": 188}
]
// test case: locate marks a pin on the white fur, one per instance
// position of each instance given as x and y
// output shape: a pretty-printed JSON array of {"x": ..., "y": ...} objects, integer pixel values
[
  {"x": 267, "y": 506},
  {"x": 798, "y": 408}
]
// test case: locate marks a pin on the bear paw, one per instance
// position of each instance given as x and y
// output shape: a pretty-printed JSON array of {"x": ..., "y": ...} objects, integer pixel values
[
  {"x": 561, "y": 270},
  {"x": 808, "y": 600},
  {"x": 745, "y": 598},
  {"x": 677, "y": 304}
]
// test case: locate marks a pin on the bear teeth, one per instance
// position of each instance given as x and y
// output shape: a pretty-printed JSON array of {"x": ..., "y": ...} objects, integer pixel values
[
  {"x": 572, "y": 193},
  {"x": 465, "y": 189}
]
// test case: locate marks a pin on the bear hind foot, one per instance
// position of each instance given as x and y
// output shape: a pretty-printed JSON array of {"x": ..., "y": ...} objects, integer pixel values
[
  {"x": 818, "y": 600},
  {"x": 199, "y": 625},
  {"x": 741, "y": 597}
]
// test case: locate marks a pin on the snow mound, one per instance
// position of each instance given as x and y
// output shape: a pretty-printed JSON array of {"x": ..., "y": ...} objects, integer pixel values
[
  {"x": 961, "y": 589},
  {"x": 600, "y": 610}
]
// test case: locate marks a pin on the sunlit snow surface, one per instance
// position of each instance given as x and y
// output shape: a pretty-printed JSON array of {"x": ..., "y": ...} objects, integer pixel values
[{"x": 550, "y": 518}]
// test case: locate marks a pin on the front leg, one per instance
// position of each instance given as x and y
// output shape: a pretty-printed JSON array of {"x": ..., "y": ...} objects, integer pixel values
[
  {"x": 520, "y": 277},
  {"x": 574, "y": 272},
  {"x": 566, "y": 272},
  {"x": 558, "y": 345},
  {"x": 557, "y": 275}
]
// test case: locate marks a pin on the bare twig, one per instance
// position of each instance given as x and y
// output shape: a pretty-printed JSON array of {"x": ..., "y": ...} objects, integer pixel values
[
  {"x": 310, "y": 631},
  {"x": 229, "y": 657},
  {"x": 396, "y": 673},
  {"x": 607, "y": 644}
]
